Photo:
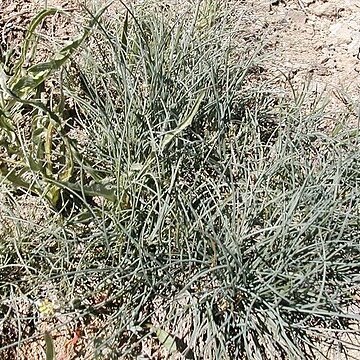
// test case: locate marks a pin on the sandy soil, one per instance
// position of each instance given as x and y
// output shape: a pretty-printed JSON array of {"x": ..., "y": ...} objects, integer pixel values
[{"x": 317, "y": 40}]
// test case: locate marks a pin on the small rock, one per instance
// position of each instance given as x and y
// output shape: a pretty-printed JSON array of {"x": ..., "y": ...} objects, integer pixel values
[
  {"x": 319, "y": 45},
  {"x": 326, "y": 9},
  {"x": 354, "y": 25},
  {"x": 323, "y": 59},
  {"x": 308, "y": 2},
  {"x": 330, "y": 64},
  {"x": 340, "y": 34},
  {"x": 297, "y": 17},
  {"x": 351, "y": 3},
  {"x": 317, "y": 87},
  {"x": 322, "y": 71},
  {"x": 265, "y": 5},
  {"x": 9, "y": 9},
  {"x": 354, "y": 46}
]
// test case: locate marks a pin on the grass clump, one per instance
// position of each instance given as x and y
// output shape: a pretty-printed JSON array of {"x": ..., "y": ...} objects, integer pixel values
[{"x": 229, "y": 225}]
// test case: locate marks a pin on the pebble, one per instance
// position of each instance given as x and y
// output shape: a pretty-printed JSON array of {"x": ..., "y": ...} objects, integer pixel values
[
  {"x": 307, "y": 2},
  {"x": 354, "y": 46},
  {"x": 340, "y": 34},
  {"x": 297, "y": 17},
  {"x": 326, "y": 9}
]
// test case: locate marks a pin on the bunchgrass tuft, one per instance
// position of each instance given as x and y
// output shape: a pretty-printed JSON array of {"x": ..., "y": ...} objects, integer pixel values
[{"x": 204, "y": 217}]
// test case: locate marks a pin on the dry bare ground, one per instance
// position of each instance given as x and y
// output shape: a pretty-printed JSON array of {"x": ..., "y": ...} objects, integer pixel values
[
  {"x": 304, "y": 39},
  {"x": 317, "y": 40}
]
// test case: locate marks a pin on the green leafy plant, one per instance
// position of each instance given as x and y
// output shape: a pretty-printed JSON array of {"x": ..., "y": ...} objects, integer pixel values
[{"x": 28, "y": 160}]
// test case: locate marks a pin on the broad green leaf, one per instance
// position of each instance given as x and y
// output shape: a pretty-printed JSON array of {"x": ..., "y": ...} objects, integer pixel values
[
  {"x": 168, "y": 341},
  {"x": 3, "y": 81},
  {"x": 21, "y": 84},
  {"x": 48, "y": 149},
  {"x": 5, "y": 124},
  {"x": 67, "y": 172},
  {"x": 39, "y": 70},
  {"x": 34, "y": 165},
  {"x": 95, "y": 189},
  {"x": 29, "y": 35},
  {"x": 52, "y": 193},
  {"x": 12, "y": 177},
  {"x": 15, "y": 92},
  {"x": 49, "y": 343},
  {"x": 17, "y": 180}
]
